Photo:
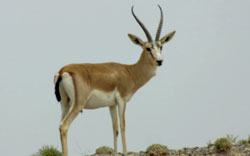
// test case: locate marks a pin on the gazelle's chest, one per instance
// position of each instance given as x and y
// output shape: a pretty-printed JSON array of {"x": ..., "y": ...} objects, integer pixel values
[{"x": 98, "y": 98}]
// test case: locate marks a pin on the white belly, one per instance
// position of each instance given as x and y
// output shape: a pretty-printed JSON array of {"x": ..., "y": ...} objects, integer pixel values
[{"x": 99, "y": 98}]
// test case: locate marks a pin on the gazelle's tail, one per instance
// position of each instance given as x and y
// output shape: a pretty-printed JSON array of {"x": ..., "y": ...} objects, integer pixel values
[{"x": 58, "y": 79}]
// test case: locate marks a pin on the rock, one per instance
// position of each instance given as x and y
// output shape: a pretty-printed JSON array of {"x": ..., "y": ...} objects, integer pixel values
[{"x": 237, "y": 150}]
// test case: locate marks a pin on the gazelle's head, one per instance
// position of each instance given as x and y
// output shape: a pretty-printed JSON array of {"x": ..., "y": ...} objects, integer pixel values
[{"x": 153, "y": 48}]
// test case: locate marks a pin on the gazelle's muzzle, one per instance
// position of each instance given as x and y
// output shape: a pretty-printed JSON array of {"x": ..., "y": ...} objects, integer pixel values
[
  {"x": 159, "y": 62},
  {"x": 157, "y": 56}
]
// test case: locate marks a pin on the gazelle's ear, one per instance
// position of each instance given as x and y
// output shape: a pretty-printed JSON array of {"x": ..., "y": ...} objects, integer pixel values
[
  {"x": 136, "y": 40},
  {"x": 167, "y": 37}
]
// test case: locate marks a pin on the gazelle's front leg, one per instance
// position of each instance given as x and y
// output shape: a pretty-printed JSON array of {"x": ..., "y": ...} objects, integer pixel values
[
  {"x": 113, "y": 113},
  {"x": 121, "y": 109}
]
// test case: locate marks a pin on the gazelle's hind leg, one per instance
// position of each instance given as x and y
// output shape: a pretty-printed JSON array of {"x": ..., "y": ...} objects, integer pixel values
[
  {"x": 68, "y": 100},
  {"x": 74, "y": 105},
  {"x": 113, "y": 113},
  {"x": 64, "y": 102},
  {"x": 64, "y": 126}
]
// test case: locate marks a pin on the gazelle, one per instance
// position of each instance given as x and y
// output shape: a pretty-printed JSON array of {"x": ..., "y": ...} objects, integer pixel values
[{"x": 90, "y": 86}]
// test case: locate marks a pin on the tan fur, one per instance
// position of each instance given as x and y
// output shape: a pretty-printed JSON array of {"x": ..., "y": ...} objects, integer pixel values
[{"x": 108, "y": 76}]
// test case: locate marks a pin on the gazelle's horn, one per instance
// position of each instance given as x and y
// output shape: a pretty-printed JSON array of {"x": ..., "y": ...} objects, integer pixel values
[
  {"x": 158, "y": 33},
  {"x": 142, "y": 26}
]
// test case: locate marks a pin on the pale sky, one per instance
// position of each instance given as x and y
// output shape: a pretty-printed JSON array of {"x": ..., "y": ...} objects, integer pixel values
[{"x": 199, "y": 94}]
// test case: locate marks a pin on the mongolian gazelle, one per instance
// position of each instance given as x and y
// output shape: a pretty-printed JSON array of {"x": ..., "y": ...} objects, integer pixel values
[{"x": 90, "y": 86}]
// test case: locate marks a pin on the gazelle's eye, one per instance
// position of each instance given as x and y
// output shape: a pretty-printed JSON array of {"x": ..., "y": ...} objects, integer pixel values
[
  {"x": 161, "y": 47},
  {"x": 148, "y": 49}
]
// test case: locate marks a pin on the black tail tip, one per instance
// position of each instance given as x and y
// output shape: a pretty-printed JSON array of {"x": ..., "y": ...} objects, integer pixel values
[{"x": 58, "y": 96}]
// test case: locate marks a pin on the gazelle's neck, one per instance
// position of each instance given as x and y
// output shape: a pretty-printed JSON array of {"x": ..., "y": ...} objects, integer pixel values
[{"x": 143, "y": 70}]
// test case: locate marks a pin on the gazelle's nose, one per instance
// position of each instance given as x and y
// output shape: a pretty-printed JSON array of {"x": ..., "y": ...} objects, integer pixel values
[{"x": 159, "y": 62}]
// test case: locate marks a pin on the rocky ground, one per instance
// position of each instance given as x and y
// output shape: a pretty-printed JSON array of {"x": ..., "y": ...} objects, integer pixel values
[{"x": 237, "y": 150}]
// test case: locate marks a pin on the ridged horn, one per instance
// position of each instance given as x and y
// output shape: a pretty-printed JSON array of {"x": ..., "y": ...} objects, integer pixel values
[
  {"x": 142, "y": 26},
  {"x": 158, "y": 33}
]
